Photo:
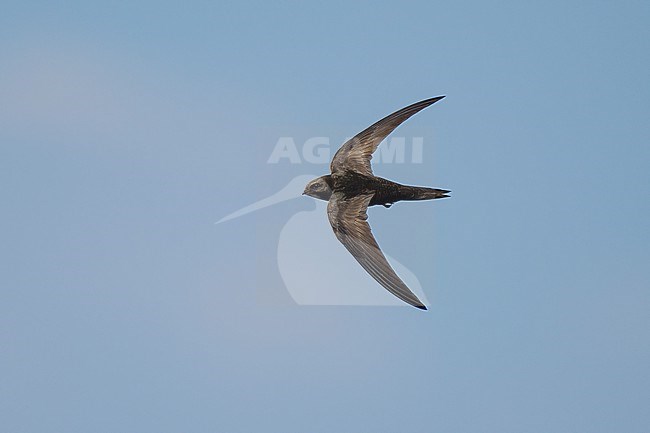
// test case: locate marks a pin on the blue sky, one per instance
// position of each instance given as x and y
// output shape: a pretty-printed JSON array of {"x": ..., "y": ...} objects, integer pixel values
[{"x": 128, "y": 129}]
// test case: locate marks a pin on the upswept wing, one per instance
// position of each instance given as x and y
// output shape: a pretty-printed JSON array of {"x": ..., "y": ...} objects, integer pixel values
[
  {"x": 355, "y": 154},
  {"x": 348, "y": 219}
]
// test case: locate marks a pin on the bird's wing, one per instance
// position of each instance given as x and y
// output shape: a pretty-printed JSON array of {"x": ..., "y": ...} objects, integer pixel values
[
  {"x": 348, "y": 219},
  {"x": 355, "y": 154}
]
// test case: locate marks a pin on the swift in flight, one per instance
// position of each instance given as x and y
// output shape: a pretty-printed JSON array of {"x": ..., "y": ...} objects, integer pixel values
[{"x": 352, "y": 187}]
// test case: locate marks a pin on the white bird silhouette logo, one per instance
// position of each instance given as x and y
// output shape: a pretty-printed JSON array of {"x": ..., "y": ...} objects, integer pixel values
[{"x": 308, "y": 252}]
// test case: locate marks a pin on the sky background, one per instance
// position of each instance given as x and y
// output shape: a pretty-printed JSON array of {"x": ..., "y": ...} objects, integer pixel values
[{"x": 127, "y": 129}]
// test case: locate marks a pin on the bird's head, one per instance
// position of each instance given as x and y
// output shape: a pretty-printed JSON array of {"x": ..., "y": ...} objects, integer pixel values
[{"x": 319, "y": 188}]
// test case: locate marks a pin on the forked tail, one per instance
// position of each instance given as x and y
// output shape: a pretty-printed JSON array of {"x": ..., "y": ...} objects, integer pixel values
[{"x": 422, "y": 193}]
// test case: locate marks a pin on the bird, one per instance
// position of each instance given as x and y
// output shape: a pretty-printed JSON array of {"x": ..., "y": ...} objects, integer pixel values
[{"x": 351, "y": 187}]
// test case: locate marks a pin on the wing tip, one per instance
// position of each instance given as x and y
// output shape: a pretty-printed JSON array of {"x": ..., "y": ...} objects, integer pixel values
[{"x": 421, "y": 307}]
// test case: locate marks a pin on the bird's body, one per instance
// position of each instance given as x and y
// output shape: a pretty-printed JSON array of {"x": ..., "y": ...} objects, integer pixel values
[
  {"x": 352, "y": 187},
  {"x": 385, "y": 192}
]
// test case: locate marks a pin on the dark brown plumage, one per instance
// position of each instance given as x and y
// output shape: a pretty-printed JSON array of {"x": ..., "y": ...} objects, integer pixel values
[{"x": 352, "y": 187}]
